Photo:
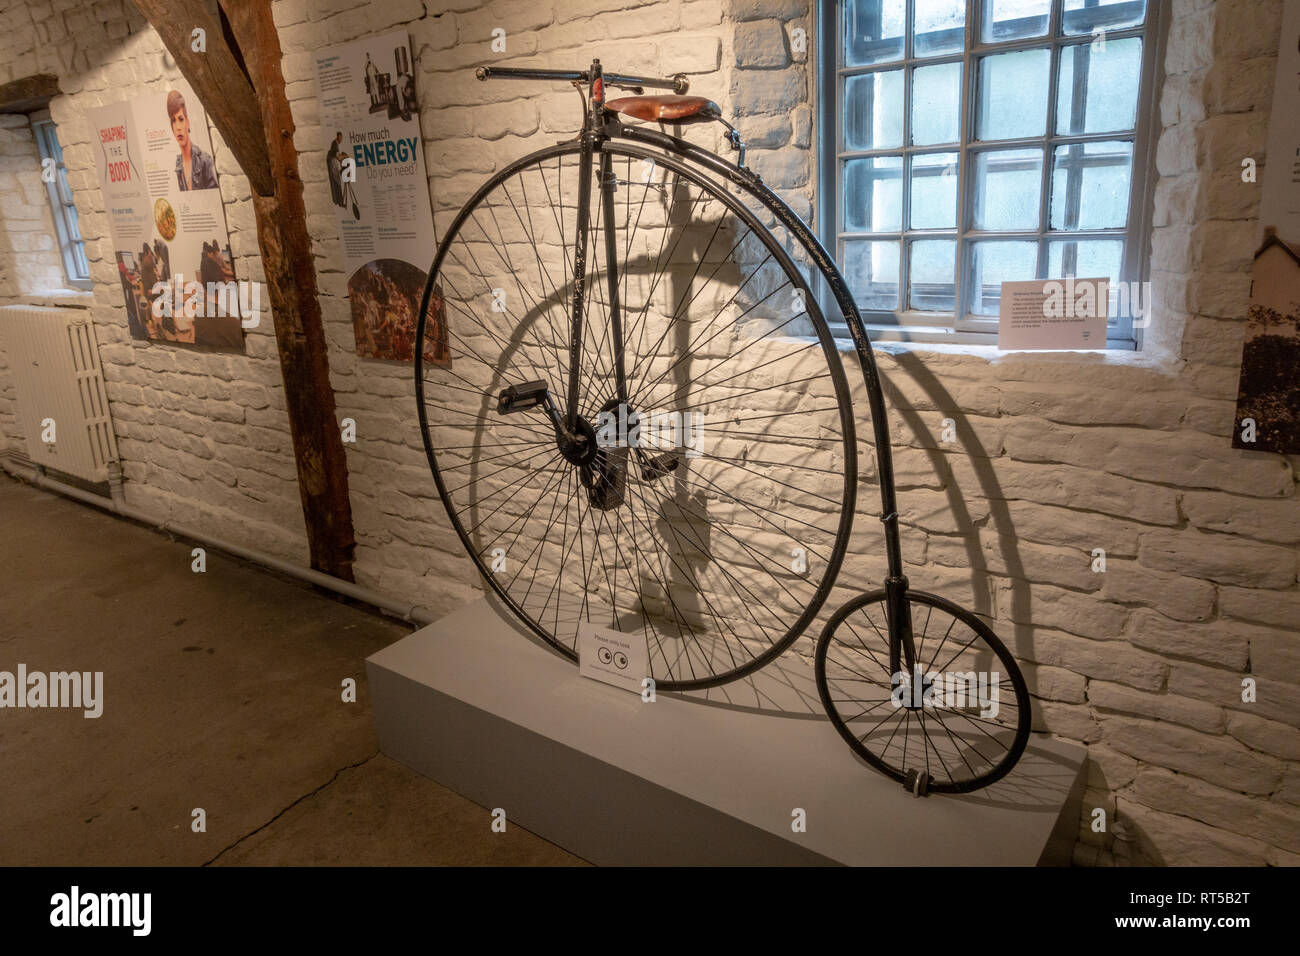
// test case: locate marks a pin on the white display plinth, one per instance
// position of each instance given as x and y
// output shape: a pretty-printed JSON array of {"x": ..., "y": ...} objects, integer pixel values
[{"x": 485, "y": 709}]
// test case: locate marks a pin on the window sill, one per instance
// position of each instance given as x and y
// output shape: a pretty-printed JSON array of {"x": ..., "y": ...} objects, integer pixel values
[
  {"x": 66, "y": 298},
  {"x": 995, "y": 356}
]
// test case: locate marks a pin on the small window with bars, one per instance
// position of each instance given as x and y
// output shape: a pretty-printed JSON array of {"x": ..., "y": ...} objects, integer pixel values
[
  {"x": 71, "y": 246},
  {"x": 972, "y": 142}
]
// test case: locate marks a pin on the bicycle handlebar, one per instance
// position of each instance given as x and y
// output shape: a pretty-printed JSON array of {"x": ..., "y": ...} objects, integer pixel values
[{"x": 678, "y": 83}]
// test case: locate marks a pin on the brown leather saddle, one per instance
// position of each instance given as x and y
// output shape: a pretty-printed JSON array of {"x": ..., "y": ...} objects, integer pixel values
[{"x": 667, "y": 109}]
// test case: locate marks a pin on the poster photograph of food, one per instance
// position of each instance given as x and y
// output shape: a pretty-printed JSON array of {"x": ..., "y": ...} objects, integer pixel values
[
  {"x": 374, "y": 163},
  {"x": 166, "y": 219}
]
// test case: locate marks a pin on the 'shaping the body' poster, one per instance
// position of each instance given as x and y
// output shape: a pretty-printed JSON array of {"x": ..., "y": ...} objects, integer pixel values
[
  {"x": 375, "y": 166},
  {"x": 156, "y": 168}
]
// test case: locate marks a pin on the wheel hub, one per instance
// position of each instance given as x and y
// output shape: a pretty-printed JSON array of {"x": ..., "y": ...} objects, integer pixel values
[{"x": 578, "y": 448}]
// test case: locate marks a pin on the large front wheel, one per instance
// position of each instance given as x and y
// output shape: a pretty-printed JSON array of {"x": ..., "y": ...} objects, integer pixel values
[{"x": 709, "y": 519}]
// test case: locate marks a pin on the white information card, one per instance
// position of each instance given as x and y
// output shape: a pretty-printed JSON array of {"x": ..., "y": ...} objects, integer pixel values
[
  {"x": 612, "y": 656},
  {"x": 1054, "y": 314}
]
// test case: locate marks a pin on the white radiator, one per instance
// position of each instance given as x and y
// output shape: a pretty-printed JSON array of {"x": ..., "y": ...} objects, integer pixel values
[{"x": 54, "y": 361}]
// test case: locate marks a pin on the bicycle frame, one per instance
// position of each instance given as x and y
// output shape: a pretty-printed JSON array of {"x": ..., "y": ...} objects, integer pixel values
[{"x": 600, "y": 125}]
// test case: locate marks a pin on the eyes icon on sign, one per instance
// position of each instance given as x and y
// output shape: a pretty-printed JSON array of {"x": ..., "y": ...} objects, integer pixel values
[{"x": 617, "y": 658}]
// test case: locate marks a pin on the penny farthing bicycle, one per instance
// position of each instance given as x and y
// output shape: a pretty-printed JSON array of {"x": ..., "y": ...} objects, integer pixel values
[{"x": 637, "y": 418}]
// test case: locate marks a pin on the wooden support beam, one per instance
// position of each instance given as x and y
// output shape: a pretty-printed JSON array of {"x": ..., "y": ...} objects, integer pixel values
[
  {"x": 247, "y": 40},
  {"x": 29, "y": 93}
]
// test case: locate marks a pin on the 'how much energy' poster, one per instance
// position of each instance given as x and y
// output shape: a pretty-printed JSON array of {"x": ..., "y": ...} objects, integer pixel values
[{"x": 375, "y": 165}]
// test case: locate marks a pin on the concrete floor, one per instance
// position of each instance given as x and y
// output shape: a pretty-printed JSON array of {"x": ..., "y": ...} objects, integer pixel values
[{"x": 222, "y": 691}]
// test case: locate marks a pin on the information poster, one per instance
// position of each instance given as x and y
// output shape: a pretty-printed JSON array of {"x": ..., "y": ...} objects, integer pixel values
[
  {"x": 155, "y": 162},
  {"x": 1268, "y": 391},
  {"x": 1280, "y": 200},
  {"x": 380, "y": 190}
]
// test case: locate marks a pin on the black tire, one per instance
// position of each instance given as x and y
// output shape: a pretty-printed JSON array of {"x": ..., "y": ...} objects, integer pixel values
[
  {"x": 853, "y": 680},
  {"x": 757, "y": 623}
]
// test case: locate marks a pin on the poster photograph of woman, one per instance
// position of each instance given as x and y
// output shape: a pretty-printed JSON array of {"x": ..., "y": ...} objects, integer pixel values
[{"x": 194, "y": 167}]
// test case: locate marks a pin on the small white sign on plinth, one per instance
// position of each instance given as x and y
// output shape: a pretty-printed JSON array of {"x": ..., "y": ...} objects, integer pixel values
[{"x": 612, "y": 656}]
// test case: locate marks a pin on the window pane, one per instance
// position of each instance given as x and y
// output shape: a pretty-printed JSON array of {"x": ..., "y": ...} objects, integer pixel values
[
  {"x": 82, "y": 269},
  {"x": 1095, "y": 259},
  {"x": 1090, "y": 185},
  {"x": 933, "y": 269},
  {"x": 994, "y": 263},
  {"x": 1007, "y": 187},
  {"x": 938, "y": 26},
  {"x": 873, "y": 194},
  {"x": 73, "y": 223},
  {"x": 936, "y": 104},
  {"x": 874, "y": 110},
  {"x": 61, "y": 182},
  {"x": 934, "y": 191},
  {"x": 872, "y": 272},
  {"x": 1086, "y": 259},
  {"x": 873, "y": 31},
  {"x": 1014, "y": 19},
  {"x": 1098, "y": 87},
  {"x": 1085, "y": 16},
  {"x": 1013, "y": 94}
]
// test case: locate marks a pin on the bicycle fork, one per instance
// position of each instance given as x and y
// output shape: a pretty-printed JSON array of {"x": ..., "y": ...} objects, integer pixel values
[{"x": 902, "y": 647}]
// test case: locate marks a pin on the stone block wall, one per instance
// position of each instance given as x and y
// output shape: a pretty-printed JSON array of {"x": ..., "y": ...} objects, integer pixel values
[{"x": 1055, "y": 455}]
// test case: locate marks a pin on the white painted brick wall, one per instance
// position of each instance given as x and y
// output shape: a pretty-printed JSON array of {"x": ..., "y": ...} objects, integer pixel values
[
  {"x": 1059, "y": 454},
  {"x": 29, "y": 250}
]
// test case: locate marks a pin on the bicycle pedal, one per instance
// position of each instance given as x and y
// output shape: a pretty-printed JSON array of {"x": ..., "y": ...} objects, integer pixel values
[
  {"x": 661, "y": 466},
  {"x": 917, "y": 783},
  {"x": 520, "y": 398}
]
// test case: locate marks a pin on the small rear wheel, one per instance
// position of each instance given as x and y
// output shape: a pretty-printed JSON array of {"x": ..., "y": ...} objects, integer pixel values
[{"x": 958, "y": 722}]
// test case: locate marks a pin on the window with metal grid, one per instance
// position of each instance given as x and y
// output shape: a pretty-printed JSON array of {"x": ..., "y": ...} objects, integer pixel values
[
  {"x": 972, "y": 142},
  {"x": 71, "y": 246}
]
